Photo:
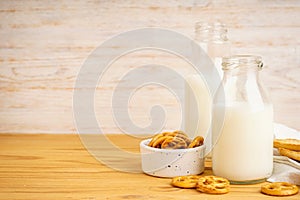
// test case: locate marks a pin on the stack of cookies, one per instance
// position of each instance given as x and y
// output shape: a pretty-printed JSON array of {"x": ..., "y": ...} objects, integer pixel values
[
  {"x": 175, "y": 140},
  {"x": 288, "y": 147}
]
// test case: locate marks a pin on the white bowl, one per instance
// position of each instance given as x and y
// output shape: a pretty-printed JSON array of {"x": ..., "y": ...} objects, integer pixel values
[{"x": 171, "y": 162}]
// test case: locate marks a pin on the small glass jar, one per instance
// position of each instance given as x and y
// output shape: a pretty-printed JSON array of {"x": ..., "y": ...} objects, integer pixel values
[{"x": 242, "y": 124}]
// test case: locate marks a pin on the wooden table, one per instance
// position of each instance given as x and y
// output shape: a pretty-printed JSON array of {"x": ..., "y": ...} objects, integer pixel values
[{"x": 44, "y": 166}]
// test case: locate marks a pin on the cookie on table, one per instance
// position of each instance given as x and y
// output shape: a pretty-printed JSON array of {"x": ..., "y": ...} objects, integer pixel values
[
  {"x": 213, "y": 185},
  {"x": 185, "y": 181},
  {"x": 279, "y": 189}
]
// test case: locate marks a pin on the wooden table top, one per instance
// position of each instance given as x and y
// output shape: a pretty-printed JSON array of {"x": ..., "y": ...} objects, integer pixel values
[{"x": 49, "y": 166}]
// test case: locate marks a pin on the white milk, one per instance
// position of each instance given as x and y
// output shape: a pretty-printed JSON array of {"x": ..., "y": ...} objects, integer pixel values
[
  {"x": 198, "y": 109},
  {"x": 244, "y": 149}
]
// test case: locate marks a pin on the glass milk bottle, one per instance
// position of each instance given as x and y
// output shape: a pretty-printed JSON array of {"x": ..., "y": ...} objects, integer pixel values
[
  {"x": 212, "y": 37},
  {"x": 242, "y": 123}
]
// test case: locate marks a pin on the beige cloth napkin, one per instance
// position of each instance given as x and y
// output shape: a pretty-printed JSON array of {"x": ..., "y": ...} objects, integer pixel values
[{"x": 284, "y": 168}]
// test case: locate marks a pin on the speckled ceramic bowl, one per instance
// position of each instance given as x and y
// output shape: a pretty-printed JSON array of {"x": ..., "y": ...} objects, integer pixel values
[{"x": 171, "y": 162}]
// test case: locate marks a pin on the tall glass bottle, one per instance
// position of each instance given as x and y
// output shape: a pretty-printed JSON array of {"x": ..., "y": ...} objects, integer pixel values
[
  {"x": 212, "y": 37},
  {"x": 242, "y": 123}
]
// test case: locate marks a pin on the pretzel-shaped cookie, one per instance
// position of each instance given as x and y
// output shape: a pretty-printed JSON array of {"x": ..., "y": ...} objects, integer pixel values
[
  {"x": 154, "y": 138},
  {"x": 169, "y": 134},
  {"x": 157, "y": 143},
  {"x": 173, "y": 143},
  {"x": 185, "y": 181},
  {"x": 213, "y": 185},
  {"x": 289, "y": 153},
  {"x": 197, "y": 141},
  {"x": 291, "y": 144},
  {"x": 279, "y": 189},
  {"x": 179, "y": 134},
  {"x": 183, "y": 136}
]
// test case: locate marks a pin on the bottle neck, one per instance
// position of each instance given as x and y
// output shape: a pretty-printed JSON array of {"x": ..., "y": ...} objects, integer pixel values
[
  {"x": 210, "y": 32},
  {"x": 241, "y": 76},
  {"x": 241, "y": 81},
  {"x": 241, "y": 70}
]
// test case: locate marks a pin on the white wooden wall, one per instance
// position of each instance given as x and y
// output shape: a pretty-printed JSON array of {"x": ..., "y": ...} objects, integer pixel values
[{"x": 44, "y": 43}]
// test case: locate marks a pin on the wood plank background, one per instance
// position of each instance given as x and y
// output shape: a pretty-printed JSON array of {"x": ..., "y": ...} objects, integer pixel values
[{"x": 44, "y": 43}]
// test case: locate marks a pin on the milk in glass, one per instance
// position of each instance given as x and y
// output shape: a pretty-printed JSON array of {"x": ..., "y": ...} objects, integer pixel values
[{"x": 244, "y": 147}]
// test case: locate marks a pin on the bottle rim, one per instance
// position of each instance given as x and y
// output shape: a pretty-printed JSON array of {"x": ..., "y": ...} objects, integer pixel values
[
  {"x": 234, "y": 61},
  {"x": 207, "y": 26}
]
